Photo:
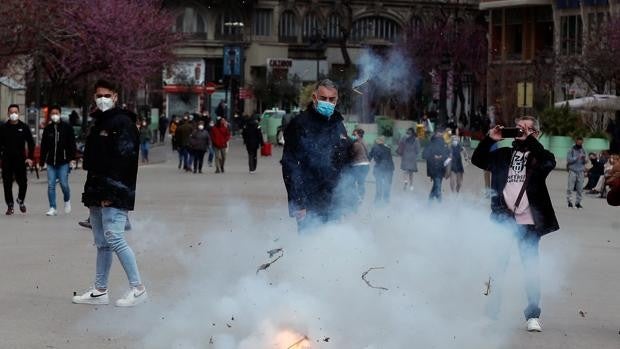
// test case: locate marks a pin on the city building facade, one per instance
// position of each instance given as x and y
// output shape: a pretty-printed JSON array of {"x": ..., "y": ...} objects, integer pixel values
[{"x": 235, "y": 53}]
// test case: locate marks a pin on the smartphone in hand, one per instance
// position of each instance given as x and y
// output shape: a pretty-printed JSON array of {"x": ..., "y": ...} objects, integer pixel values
[{"x": 512, "y": 132}]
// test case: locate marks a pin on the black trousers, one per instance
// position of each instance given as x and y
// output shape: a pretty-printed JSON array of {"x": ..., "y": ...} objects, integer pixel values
[
  {"x": 252, "y": 158},
  {"x": 199, "y": 159},
  {"x": 14, "y": 170}
]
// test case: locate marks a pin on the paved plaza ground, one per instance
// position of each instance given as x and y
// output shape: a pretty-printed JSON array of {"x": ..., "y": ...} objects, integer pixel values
[{"x": 44, "y": 260}]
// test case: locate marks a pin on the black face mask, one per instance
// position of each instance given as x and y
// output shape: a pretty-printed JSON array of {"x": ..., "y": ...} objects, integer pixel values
[{"x": 578, "y": 146}]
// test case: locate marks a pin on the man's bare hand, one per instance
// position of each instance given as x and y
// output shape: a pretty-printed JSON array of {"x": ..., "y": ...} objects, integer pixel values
[
  {"x": 300, "y": 214},
  {"x": 106, "y": 203},
  {"x": 496, "y": 133},
  {"x": 29, "y": 162}
]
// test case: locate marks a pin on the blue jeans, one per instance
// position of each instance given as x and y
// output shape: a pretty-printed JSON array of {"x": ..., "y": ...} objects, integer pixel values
[
  {"x": 144, "y": 149},
  {"x": 60, "y": 173},
  {"x": 109, "y": 232},
  {"x": 528, "y": 241},
  {"x": 436, "y": 189},
  {"x": 383, "y": 181},
  {"x": 360, "y": 173}
]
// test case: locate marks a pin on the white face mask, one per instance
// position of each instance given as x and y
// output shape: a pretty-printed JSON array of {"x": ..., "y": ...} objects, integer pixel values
[
  {"x": 14, "y": 117},
  {"x": 201, "y": 127},
  {"x": 104, "y": 103},
  {"x": 55, "y": 118}
]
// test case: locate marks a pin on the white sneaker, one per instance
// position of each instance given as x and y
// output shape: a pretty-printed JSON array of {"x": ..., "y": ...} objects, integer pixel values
[
  {"x": 92, "y": 297},
  {"x": 67, "y": 207},
  {"x": 51, "y": 212},
  {"x": 132, "y": 297},
  {"x": 533, "y": 325}
]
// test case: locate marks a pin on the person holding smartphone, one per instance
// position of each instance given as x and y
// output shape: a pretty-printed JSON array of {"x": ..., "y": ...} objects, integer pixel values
[{"x": 521, "y": 201}]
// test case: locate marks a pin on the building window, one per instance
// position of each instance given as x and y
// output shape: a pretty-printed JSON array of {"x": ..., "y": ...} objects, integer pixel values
[
  {"x": 287, "y": 29},
  {"x": 229, "y": 27},
  {"x": 596, "y": 23},
  {"x": 415, "y": 24},
  {"x": 261, "y": 23},
  {"x": 514, "y": 34},
  {"x": 544, "y": 30},
  {"x": 191, "y": 22},
  {"x": 375, "y": 28},
  {"x": 571, "y": 35},
  {"x": 333, "y": 27},
  {"x": 311, "y": 26}
]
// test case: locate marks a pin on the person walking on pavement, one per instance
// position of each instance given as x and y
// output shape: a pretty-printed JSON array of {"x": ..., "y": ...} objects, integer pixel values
[
  {"x": 437, "y": 158},
  {"x": 521, "y": 203},
  {"x": 199, "y": 142},
  {"x": 182, "y": 134},
  {"x": 383, "y": 170},
  {"x": 253, "y": 139},
  {"x": 360, "y": 166},
  {"x": 58, "y": 150},
  {"x": 316, "y": 150},
  {"x": 174, "y": 124},
  {"x": 408, "y": 150},
  {"x": 145, "y": 141},
  {"x": 15, "y": 141},
  {"x": 162, "y": 127},
  {"x": 220, "y": 135},
  {"x": 576, "y": 165},
  {"x": 457, "y": 169},
  {"x": 111, "y": 159}
]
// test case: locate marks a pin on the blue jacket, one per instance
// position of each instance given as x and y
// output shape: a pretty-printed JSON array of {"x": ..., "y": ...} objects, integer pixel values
[{"x": 316, "y": 149}]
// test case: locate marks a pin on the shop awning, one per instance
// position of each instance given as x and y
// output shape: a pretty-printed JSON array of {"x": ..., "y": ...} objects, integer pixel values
[{"x": 595, "y": 103}]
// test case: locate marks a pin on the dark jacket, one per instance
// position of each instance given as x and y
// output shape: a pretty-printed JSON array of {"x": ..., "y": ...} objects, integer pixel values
[
  {"x": 200, "y": 140},
  {"x": 435, "y": 155},
  {"x": 182, "y": 134},
  {"x": 57, "y": 144},
  {"x": 252, "y": 135},
  {"x": 13, "y": 141},
  {"x": 382, "y": 155},
  {"x": 111, "y": 159},
  {"x": 408, "y": 149},
  {"x": 316, "y": 149},
  {"x": 539, "y": 164}
]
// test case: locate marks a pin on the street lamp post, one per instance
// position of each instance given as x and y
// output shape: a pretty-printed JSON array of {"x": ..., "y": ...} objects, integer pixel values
[{"x": 236, "y": 27}]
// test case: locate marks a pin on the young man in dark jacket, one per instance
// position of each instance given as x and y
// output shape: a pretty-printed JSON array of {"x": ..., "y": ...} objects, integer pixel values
[
  {"x": 316, "y": 149},
  {"x": 436, "y": 155},
  {"x": 253, "y": 139},
  {"x": 111, "y": 159},
  {"x": 15, "y": 136},
  {"x": 58, "y": 149},
  {"x": 383, "y": 170},
  {"x": 521, "y": 200}
]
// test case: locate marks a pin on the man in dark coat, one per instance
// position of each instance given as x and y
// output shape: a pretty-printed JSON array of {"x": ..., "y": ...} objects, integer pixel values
[
  {"x": 253, "y": 139},
  {"x": 521, "y": 200},
  {"x": 15, "y": 136},
  {"x": 58, "y": 150},
  {"x": 111, "y": 159},
  {"x": 315, "y": 152},
  {"x": 436, "y": 155},
  {"x": 383, "y": 170}
]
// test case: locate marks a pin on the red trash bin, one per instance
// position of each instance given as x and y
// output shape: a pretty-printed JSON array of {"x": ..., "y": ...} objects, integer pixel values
[{"x": 265, "y": 150}]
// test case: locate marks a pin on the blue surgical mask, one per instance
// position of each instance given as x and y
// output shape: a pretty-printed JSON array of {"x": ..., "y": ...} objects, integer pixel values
[
  {"x": 353, "y": 138},
  {"x": 325, "y": 108}
]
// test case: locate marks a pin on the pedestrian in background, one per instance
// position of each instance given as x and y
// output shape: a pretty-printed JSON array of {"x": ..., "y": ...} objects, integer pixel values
[
  {"x": 182, "y": 134},
  {"x": 576, "y": 164},
  {"x": 457, "y": 169},
  {"x": 437, "y": 159},
  {"x": 360, "y": 166},
  {"x": 521, "y": 203},
  {"x": 145, "y": 140},
  {"x": 111, "y": 159},
  {"x": 253, "y": 139},
  {"x": 199, "y": 142},
  {"x": 383, "y": 170},
  {"x": 174, "y": 124},
  {"x": 220, "y": 135},
  {"x": 162, "y": 127},
  {"x": 58, "y": 150},
  {"x": 408, "y": 150},
  {"x": 17, "y": 152}
]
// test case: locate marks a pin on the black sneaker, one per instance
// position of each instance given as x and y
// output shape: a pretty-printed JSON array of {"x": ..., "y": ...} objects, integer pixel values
[
  {"x": 578, "y": 206},
  {"x": 570, "y": 204},
  {"x": 85, "y": 223},
  {"x": 9, "y": 211},
  {"x": 22, "y": 206}
]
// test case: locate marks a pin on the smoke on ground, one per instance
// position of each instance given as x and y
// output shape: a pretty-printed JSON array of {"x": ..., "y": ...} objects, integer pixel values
[{"x": 434, "y": 260}]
